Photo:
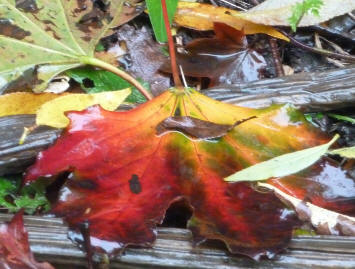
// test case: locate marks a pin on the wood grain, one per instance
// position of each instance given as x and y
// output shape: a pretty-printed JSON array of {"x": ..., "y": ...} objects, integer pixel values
[{"x": 173, "y": 249}]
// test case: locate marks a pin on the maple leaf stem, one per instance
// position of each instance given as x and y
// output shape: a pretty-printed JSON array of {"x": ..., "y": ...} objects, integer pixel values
[
  {"x": 174, "y": 68},
  {"x": 108, "y": 67}
]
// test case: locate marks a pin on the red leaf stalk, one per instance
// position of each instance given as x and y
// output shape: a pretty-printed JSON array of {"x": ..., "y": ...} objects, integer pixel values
[{"x": 177, "y": 80}]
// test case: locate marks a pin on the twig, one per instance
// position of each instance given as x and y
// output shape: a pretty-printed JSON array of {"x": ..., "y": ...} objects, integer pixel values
[
  {"x": 276, "y": 57},
  {"x": 85, "y": 231},
  {"x": 274, "y": 51},
  {"x": 106, "y": 66},
  {"x": 324, "y": 52},
  {"x": 174, "y": 69}
]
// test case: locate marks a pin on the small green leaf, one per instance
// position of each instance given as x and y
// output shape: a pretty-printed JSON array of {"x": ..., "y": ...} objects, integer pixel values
[
  {"x": 344, "y": 152},
  {"x": 95, "y": 81},
  {"x": 156, "y": 16},
  {"x": 299, "y": 9},
  {"x": 283, "y": 165},
  {"x": 30, "y": 198}
]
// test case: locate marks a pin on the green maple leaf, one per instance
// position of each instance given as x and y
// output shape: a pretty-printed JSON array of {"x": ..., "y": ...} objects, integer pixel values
[{"x": 40, "y": 39}]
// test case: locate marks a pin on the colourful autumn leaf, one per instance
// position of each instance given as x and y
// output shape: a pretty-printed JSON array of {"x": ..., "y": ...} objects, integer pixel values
[
  {"x": 15, "y": 250},
  {"x": 202, "y": 16},
  {"x": 224, "y": 59},
  {"x": 125, "y": 176}
]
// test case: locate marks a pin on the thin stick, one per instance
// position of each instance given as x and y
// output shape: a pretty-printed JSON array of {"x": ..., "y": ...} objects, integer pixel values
[
  {"x": 183, "y": 76},
  {"x": 177, "y": 80},
  {"x": 328, "y": 53},
  {"x": 276, "y": 57},
  {"x": 274, "y": 52},
  {"x": 118, "y": 72}
]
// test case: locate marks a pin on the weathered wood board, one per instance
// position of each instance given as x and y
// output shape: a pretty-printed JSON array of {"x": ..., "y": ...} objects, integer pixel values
[{"x": 173, "y": 249}]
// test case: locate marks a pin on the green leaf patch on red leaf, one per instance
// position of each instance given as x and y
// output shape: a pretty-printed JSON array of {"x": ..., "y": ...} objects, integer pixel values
[{"x": 125, "y": 176}]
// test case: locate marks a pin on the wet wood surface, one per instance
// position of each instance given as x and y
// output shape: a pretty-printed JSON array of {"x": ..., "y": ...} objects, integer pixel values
[
  {"x": 173, "y": 249},
  {"x": 311, "y": 92}
]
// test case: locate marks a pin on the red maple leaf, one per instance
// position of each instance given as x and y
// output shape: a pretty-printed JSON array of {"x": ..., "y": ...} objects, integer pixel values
[
  {"x": 15, "y": 250},
  {"x": 125, "y": 176}
]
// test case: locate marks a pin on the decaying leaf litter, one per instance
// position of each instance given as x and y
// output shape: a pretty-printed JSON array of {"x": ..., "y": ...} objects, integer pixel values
[{"x": 186, "y": 174}]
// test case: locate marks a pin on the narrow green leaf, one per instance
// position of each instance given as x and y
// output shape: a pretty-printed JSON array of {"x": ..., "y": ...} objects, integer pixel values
[
  {"x": 45, "y": 38},
  {"x": 344, "y": 152},
  {"x": 156, "y": 16},
  {"x": 341, "y": 117},
  {"x": 95, "y": 81},
  {"x": 283, "y": 165}
]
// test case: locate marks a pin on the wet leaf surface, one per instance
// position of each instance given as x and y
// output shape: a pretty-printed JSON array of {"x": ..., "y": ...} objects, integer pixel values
[
  {"x": 15, "y": 250},
  {"x": 196, "y": 128},
  {"x": 323, "y": 220},
  {"x": 123, "y": 185},
  {"x": 47, "y": 38},
  {"x": 144, "y": 57},
  {"x": 225, "y": 59}
]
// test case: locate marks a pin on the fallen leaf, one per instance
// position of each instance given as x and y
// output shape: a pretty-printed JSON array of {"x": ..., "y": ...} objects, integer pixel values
[
  {"x": 275, "y": 12},
  {"x": 130, "y": 10},
  {"x": 284, "y": 165},
  {"x": 50, "y": 107},
  {"x": 23, "y": 103},
  {"x": 15, "y": 250},
  {"x": 344, "y": 152},
  {"x": 44, "y": 38},
  {"x": 144, "y": 57},
  {"x": 196, "y": 128},
  {"x": 224, "y": 59},
  {"x": 327, "y": 185},
  {"x": 323, "y": 220},
  {"x": 202, "y": 16},
  {"x": 52, "y": 113},
  {"x": 124, "y": 176}
]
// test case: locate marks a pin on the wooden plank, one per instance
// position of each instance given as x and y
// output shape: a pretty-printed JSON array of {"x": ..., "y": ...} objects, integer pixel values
[
  {"x": 319, "y": 91},
  {"x": 173, "y": 249}
]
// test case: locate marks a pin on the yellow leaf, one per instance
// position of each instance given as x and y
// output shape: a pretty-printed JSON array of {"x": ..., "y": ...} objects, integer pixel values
[
  {"x": 52, "y": 112},
  {"x": 202, "y": 16},
  {"x": 23, "y": 103}
]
